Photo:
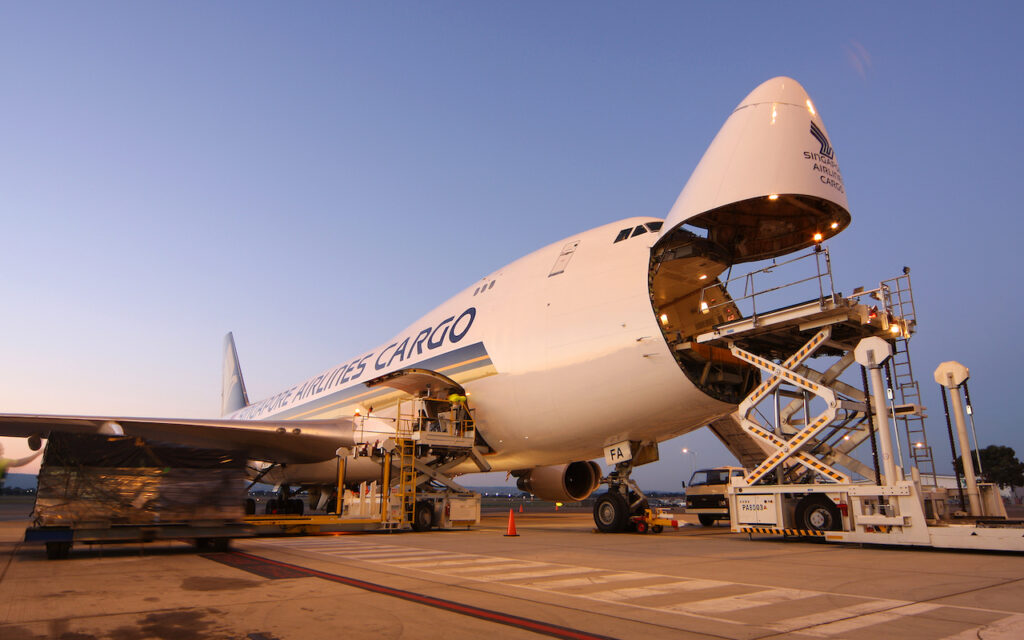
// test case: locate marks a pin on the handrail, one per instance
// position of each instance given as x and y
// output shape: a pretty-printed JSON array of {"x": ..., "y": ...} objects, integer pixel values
[{"x": 750, "y": 291}]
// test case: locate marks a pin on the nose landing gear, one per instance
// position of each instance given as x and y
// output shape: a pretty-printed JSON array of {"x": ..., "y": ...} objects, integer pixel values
[{"x": 614, "y": 511}]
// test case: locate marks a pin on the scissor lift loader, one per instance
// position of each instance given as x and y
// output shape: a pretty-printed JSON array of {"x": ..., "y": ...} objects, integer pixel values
[{"x": 808, "y": 422}]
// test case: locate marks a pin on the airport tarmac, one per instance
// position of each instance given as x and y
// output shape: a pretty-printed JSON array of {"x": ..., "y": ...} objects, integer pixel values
[{"x": 558, "y": 578}]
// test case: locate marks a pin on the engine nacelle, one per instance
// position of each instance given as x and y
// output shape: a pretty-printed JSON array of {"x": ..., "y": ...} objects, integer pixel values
[{"x": 561, "y": 482}]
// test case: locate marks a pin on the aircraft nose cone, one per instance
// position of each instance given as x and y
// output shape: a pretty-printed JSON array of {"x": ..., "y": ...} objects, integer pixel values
[
  {"x": 780, "y": 89},
  {"x": 769, "y": 183}
]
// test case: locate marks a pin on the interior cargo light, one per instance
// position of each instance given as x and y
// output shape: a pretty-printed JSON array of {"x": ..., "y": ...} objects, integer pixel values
[
  {"x": 810, "y": 107},
  {"x": 773, "y": 196},
  {"x": 834, "y": 225},
  {"x": 894, "y": 329},
  {"x": 818, "y": 237},
  {"x": 703, "y": 276},
  {"x": 664, "y": 318},
  {"x": 703, "y": 307}
]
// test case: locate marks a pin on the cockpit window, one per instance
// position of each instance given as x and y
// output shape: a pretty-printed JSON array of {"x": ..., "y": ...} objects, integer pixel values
[{"x": 638, "y": 230}]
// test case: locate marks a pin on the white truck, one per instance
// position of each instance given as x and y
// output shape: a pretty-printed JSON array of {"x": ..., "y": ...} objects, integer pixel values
[{"x": 706, "y": 493}]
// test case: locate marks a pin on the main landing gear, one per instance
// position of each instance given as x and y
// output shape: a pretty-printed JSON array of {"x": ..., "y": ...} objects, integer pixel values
[
  {"x": 615, "y": 511},
  {"x": 284, "y": 504}
]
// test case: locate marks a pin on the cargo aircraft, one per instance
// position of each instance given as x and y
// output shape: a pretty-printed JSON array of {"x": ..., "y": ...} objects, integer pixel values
[{"x": 579, "y": 349}]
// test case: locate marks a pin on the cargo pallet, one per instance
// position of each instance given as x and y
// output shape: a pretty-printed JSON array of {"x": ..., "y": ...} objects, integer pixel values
[{"x": 60, "y": 540}]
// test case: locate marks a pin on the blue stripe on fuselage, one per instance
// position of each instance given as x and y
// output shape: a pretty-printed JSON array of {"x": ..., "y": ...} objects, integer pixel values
[{"x": 452, "y": 362}]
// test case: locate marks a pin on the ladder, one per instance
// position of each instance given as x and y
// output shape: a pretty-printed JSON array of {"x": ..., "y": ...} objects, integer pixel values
[
  {"x": 899, "y": 299},
  {"x": 405, "y": 491}
]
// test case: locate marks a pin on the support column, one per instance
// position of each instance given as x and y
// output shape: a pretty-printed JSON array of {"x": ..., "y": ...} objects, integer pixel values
[
  {"x": 871, "y": 353},
  {"x": 952, "y": 375}
]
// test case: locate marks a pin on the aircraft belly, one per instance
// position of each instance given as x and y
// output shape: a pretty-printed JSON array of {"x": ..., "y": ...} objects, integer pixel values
[{"x": 357, "y": 469}]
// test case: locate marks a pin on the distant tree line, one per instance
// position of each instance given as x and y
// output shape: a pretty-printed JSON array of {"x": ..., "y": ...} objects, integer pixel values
[{"x": 999, "y": 466}]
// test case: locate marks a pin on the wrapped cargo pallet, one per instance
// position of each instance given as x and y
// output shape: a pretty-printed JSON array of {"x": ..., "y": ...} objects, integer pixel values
[{"x": 99, "y": 480}]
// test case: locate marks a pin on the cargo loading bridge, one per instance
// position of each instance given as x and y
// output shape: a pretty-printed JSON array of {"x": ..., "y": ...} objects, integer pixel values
[{"x": 796, "y": 430}]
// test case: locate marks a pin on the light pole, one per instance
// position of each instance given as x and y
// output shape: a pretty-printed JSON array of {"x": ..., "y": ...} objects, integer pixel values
[{"x": 693, "y": 461}]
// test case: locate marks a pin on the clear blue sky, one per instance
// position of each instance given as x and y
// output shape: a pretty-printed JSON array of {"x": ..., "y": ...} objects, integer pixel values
[{"x": 315, "y": 176}]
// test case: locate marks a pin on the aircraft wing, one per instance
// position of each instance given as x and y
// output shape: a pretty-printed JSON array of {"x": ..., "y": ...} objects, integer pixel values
[{"x": 288, "y": 441}]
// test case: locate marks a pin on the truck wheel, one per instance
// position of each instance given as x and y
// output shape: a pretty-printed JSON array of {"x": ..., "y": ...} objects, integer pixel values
[
  {"x": 641, "y": 526},
  {"x": 58, "y": 550},
  {"x": 657, "y": 528},
  {"x": 706, "y": 519},
  {"x": 611, "y": 513},
  {"x": 423, "y": 516},
  {"x": 818, "y": 513}
]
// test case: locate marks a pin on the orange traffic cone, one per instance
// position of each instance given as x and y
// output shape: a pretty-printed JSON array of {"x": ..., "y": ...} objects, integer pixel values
[
  {"x": 520, "y": 508},
  {"x": 511, "y": 525}
]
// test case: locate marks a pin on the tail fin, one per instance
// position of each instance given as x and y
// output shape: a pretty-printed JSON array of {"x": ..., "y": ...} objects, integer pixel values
[{"x": 232, "y": 394}]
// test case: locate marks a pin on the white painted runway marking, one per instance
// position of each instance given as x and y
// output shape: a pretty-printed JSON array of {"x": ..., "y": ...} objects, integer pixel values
[
  {"x": 742, "y": 601},
  {"x": 518, "y": 575},
  {"x": 483, "y": 568},
  {"x": 548, "y": 577},
  {"x": 441, "y": 564},
  {"x": 842, "y": 626},
  {"x": 824, "y": 617},
  {"x": 1008, "y": 628},
  {"x": 611, "y": 576},
  {"x": 385, "y": 554},
  {"x": 659, "y": 590}
]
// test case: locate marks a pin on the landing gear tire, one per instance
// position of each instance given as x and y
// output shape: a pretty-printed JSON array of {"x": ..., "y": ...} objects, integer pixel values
[
  {"x": 640, "y": 508},
  {"x": 818, "y": 513},
  {"x": 611, "y": 513},
  {"x": 423, "y": 516},
  {"x": 706, "y": 519}
]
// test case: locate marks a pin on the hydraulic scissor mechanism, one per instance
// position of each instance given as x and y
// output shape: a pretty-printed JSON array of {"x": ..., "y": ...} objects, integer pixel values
[{"x": 779, "y": 445}]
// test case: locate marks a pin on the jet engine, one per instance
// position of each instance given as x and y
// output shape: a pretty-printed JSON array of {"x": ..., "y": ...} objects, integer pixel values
[{"x": 561, "y": 482}]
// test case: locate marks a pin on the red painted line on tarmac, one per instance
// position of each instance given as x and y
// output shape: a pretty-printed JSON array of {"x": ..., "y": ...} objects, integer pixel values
[{"x": 537, "y": 626}]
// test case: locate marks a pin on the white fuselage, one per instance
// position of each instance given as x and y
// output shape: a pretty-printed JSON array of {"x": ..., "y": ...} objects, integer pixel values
[{"x": 561, "y": 355}]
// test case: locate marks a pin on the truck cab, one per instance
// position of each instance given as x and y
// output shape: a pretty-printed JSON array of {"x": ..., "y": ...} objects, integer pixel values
[{"x": 705, "y": 493}]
